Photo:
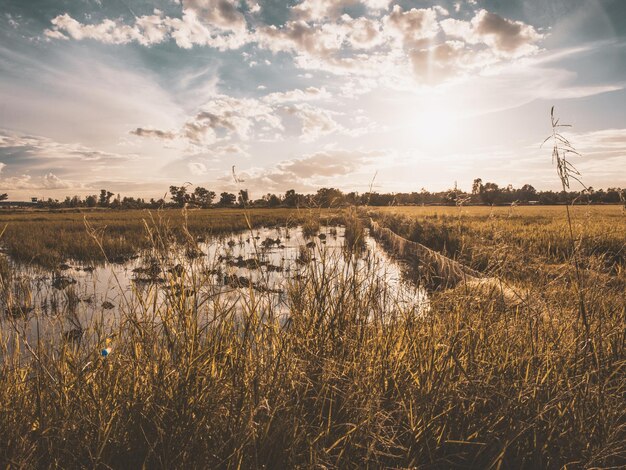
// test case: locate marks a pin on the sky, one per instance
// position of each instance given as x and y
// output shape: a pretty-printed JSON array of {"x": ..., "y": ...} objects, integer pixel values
[{"x": 134, "y": 96}]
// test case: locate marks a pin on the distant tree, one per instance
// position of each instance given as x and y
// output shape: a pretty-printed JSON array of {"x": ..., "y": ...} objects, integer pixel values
[
  {"x": 352, "y": 198},
  {"x": 260, "y": 202},
  {"x": 243, "y": 197},
  {"x": 179, "y": 195},
  {"x": 273, "y": 201},
  {"x": 293, "y": 199},
  {"x": 117, "y": 202},
  {"x": 548, "y": 197},
  {"x": 227, "y": 199},
  {"x": 91, "y": 201},
  {"x": 329, "y": 197},
  {"x": 527, "y": 193},
  {"x": 477, "y": 186},
  {"x": 75, "y": 201},
  {"x": 4, "y": 197},
  {"x": 105, "y": 198},
  {"x": 203, "y": 196},
  {"x": 490, "y": 192}
]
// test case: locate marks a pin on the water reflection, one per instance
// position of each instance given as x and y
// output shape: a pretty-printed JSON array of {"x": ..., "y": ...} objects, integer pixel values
[{"x": 259, "y": 267}]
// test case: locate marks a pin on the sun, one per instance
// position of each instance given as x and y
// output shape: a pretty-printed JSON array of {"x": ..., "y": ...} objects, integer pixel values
[{"x": 435, "y": 127}]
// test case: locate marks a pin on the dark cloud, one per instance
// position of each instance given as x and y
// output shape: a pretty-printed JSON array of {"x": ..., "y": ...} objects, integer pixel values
[{"x": 156, "y": 133}]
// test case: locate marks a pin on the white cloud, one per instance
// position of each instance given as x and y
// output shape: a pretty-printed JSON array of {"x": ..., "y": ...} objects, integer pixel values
[
  {"x": 316, "y": 122},
  {"x": 308, "y": 172},
  {"x": 307, "y": 94},
  {"x": 327, "y": 163},
  {"x": 45, "y": 149},
  {"x": 221, "y": 13},
  {"x": 505, "y": 37},
  {"x": 322, "y": 37},
  {"x": 225, "y": 118},
  {"x": 311, "y": 10},
  {"x": 197, "y": 168},
  {"x": 213, "y": 23},
  {"x": 415, "y": 27},
  {"x": 48, "y": 181}
]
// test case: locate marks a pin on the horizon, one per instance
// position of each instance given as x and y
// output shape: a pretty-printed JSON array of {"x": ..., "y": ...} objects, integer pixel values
[{"x": 134, "y": 97}]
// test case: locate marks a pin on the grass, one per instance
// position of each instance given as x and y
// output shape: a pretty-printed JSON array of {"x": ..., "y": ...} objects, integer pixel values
[
  {"x": 50, "y": 238},
  {"x": 351, "y": 379}
]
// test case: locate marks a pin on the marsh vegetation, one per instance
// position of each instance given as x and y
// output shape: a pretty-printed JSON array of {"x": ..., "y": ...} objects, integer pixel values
[{"x": 328, "y": 364}]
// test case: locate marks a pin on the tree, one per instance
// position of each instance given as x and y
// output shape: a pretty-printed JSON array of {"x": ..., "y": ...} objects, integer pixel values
[
  {"x": 91, "y": 200},
  {"x": 105, "y": 198},
  {"x": 527, "y": 193},
  {"x": 117, "y": 202},
  {"x": 293, "y": 199},
  {"x": 273, "y": 200},
  {"x": 4, "y": 197},
  {"x": 227, "y": 199},
  {"x": 477, "y": 186},
  {"x": 243, "y": 197},
  {"x": 179, "y": 195},
  {"x": 203, "y": 196},
  {"x": 490, "y": 192},
  {"x": 327, "y": 197}
]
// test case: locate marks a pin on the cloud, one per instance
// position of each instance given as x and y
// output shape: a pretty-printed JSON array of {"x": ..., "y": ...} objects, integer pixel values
[
  {"x": 321, "y": 36},
  {"x": 197, "y": 168},
  {"x": 48, "y": 181},
  {"x": 221, "y": 13},
  {"x": 327, "y": 163},
  {"x": 230, "y": 115},
  {"x": 213, "y": 23},
  {"x": 51, "y": 181},
  {"x": 155, "y": 133},
  {"x": 225, "y": 118},
  {"x": 34, "y": 162},
  {"x": 505, "y": 37},
  {"x": 310, "y": 10},
  {"x": 599, "y": 145},
  {"x": 415, "y": 27},
  {"x": 147, "y": 30},
  {"x": 307, "y": 173},
  {"x": 316, "y": 122},
  {"x": 438, "y": 48},
  {"x": 446, "y": 61},
  {"x": 42, "y": 149},
  {"x": 307, "y": 94}
]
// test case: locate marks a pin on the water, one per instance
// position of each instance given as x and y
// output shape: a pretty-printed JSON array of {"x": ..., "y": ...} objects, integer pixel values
[{"x": 236, "y": 269}]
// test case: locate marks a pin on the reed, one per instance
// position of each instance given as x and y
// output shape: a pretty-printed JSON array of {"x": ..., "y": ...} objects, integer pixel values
[{"x": 348, "y": 377}]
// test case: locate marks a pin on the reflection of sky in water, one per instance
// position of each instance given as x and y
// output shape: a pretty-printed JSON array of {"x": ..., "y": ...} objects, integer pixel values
[{"x": 97, "y": 297}]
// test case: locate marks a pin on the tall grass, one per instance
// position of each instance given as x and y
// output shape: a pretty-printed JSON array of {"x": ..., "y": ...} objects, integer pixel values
[
  {"x": 47, "y": 239},
  {"x": 346, "y": 378}
]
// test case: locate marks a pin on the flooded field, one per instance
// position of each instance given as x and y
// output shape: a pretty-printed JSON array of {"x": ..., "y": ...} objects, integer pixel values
[{"x": 262, "y": 267}]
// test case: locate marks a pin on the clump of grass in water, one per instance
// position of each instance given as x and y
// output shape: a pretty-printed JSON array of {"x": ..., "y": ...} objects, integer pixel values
[
  {"x": 311, "y": 226},
  {"x": 355, "y": 232}
]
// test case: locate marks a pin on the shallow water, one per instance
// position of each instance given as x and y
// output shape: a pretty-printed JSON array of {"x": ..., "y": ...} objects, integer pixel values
[{"x": 236, "y": 269}]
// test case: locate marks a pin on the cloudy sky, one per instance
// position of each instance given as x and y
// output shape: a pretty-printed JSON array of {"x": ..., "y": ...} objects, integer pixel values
[{"x": 134, "y": 95}]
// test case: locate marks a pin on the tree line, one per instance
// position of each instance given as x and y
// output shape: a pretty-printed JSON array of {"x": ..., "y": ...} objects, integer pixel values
[{"x": 486, "y": 193}]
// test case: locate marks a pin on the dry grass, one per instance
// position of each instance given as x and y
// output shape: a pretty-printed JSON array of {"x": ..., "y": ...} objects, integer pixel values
[
  {"x": 49, "y": 238},
  {"x": 350, "y": 380}
]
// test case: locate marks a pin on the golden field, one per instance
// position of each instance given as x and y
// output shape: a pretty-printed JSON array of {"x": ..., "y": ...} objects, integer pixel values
[{"x": 352, "y": 378}]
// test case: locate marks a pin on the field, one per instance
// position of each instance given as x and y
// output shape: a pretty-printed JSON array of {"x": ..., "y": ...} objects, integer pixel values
[
  {"x": 49, "y": 238},
  {"x": 351, "y": 377}
]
